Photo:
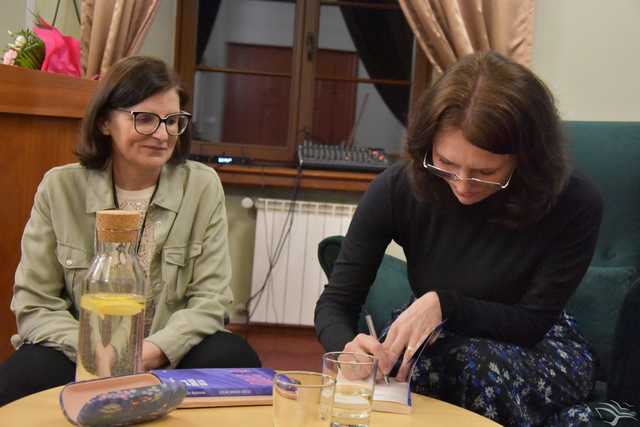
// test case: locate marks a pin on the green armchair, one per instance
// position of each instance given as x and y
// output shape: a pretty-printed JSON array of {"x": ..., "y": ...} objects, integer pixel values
[
  {"x": 390, "y": 289},
  {"x": 608, "y": 152}
]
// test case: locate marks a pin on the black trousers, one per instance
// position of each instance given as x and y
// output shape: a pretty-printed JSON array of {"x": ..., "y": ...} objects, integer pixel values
[{"x": 33, "y": 368}]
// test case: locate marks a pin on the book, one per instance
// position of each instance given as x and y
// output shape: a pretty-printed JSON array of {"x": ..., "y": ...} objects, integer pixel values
[
  {"x": 254, "y": 386},
  {"x": 394, "y": 397},
  {"x": 222, "y": 386}
]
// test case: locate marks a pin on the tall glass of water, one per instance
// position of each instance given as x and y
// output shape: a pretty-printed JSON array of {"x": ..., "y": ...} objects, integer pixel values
[
  {"x": 355, "y": 376},
  {"x": 302, "y": 399}
]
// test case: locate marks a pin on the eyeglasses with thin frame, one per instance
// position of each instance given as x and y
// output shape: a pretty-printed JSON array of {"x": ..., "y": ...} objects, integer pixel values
[
  {"x": 146, "y": 123},
  {"x": 450, "y": 176}
]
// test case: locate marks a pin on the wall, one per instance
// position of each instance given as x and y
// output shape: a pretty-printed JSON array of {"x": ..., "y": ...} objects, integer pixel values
[
  {"x": 160, "y": 38},
  {"x": 587, "y": 52},
  {"x": 12, "y": 18},
  {"x": 66, "y": 21}
]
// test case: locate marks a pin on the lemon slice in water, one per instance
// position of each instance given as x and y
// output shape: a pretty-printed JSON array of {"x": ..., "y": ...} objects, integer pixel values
[{"x": 112, "y": 304}]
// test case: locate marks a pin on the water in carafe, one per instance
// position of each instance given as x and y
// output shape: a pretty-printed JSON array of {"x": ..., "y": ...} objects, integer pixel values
[{"x": 112, "y": 301}]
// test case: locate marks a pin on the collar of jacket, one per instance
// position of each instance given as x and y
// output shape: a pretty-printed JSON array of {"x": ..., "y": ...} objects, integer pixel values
[{"x": 168, "y": 196}]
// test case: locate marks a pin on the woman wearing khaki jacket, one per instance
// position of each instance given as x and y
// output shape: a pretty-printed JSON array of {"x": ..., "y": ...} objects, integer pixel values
[{"x": 135, "y": 139}]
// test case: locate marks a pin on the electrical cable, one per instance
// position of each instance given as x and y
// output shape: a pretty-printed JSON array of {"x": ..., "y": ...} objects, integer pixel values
[
  {"x": 55, "y": 14},
  {"x": 274, "y": 256},
  {"x": 75, "y": 7}
]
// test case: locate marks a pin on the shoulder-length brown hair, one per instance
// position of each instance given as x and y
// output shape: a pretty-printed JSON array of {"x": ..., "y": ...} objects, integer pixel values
[
  {"x": 502, "y": 107},
  {"x": 128, "y": 82}
]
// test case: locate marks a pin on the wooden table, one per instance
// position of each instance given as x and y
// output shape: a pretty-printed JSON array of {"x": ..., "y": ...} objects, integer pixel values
[{"x": 43, "y": 409}]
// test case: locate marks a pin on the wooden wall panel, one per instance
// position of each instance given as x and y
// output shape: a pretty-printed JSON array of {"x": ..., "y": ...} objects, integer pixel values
[
  {"x": 40, "y": 117},
  {"x": 31, "y": 147},
  {"x": 43, "y": 94}
]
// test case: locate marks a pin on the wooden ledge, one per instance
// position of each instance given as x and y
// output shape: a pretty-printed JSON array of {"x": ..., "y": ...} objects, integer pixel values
[
  {"x": 273, "y": 176},
  {"x": 24, "y": 91}
]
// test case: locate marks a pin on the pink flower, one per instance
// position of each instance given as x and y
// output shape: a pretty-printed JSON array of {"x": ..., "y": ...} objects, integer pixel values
[
  {"x": 62, "y": 53},
  {"x": 9, "y": 57}
]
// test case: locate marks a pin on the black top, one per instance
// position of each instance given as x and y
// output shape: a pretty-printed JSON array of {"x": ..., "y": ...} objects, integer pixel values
[{"x": 493, "y": 281}]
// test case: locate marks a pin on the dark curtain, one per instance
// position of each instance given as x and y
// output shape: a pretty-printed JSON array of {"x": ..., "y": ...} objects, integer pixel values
[
  {"x": 207, "y": 13},
  {"x": 384, "y": 43}
]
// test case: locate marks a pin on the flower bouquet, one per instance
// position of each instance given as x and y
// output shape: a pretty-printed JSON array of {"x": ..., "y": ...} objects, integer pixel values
[
  {"x": 27, "y": 50},
  {"x": 45, "y": 48}
]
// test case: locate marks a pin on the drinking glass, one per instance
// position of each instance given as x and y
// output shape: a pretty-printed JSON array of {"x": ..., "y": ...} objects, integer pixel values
[
  {"x": 302, "y": 399},
  {"x": 355, "y": 376}
]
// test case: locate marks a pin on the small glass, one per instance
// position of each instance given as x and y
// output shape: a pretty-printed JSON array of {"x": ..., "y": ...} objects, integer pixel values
[
  {"x": 302, "y": 399},
  {"x": 355, "y": 376}
]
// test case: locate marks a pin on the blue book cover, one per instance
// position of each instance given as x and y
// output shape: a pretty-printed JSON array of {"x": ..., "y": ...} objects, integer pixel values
[{"x": 221, "y": 382}]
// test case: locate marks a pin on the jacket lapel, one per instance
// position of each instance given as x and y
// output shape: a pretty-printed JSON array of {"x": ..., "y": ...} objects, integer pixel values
[{"x": 99, "y": 190}]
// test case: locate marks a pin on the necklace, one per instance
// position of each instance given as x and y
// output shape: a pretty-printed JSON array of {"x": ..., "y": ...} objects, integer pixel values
[{"x": 146, "y": 212}]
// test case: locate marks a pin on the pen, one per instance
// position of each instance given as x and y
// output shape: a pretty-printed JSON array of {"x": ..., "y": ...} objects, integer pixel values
[{"x": 372, "y": 332}]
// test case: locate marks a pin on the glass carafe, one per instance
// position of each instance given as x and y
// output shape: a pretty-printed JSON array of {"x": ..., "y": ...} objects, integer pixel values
[{"x": 112, "y": 301}]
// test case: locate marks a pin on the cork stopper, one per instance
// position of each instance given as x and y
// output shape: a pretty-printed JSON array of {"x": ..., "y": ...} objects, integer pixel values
[{"x": 117, "y": 226}]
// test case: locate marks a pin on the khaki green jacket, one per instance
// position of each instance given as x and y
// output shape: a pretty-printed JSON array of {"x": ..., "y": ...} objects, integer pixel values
[{"x": 190, "y": 269}]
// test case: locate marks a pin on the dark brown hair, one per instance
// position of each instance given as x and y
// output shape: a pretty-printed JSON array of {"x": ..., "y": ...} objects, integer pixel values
[
  {"x": 502, "y": 107},
  {"x": 128, "y": 82}
]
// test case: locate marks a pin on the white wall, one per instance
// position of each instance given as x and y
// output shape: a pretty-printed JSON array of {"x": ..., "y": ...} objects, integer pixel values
[
  {"x": 66, "y": 21},
  {"x": 160, "y": 38},
  {"x": 12, "y": 18},
  {"x": 588, "y": 52}
]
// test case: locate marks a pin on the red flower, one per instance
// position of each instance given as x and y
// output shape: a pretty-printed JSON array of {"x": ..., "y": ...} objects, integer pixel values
[{"x": 62, "y": 53}]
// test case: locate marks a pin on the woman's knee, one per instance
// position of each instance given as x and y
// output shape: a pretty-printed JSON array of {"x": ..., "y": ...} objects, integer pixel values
[
  {"x": 221, "y": 350},
  {"x": 450, "y": 369},
  {"x": 31, "y": 369},
  {"x": 466, "y": 355},
  {"x": 473, "y": 364}
]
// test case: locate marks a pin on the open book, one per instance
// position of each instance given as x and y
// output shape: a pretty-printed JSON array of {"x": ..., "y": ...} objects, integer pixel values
[{"x": 394, "y": 397}]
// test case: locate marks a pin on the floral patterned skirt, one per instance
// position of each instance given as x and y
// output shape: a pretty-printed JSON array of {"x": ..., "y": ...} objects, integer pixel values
[{"x": 515, "y": 386}]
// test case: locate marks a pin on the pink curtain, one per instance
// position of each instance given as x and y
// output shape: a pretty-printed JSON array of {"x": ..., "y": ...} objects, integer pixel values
[
  {"x": 446, "y": 30},
  {"x": 111, "y": 30}
]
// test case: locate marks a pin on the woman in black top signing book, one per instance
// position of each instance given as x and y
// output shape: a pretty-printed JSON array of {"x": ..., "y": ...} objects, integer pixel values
[{"x": 497, "y": 234}]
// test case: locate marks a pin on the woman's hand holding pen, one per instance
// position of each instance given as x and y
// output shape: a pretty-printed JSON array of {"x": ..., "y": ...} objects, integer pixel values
[
  {"x": 367, "y": 344},
  {"x": 410, "y": 330}
]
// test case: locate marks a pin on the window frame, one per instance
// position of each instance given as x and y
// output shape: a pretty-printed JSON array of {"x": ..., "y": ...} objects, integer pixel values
[{"x": 303, "y": 77}]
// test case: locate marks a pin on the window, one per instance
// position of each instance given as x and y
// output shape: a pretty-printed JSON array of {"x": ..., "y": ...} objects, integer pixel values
[{"x": 266, "y": 74}]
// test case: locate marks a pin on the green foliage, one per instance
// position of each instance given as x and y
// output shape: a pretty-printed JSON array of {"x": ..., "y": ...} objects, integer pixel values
[
  {"x": 30, "y": 49},
  {"x": 32, "y": 54}
]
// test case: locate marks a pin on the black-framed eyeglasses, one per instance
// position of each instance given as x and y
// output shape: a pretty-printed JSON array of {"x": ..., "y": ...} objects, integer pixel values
[
  {"x": 450, "y": 176},
  {"x": 146, "y": 123}
]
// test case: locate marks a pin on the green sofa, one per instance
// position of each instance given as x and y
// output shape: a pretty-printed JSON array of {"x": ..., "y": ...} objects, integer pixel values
[{"x": 608, "y": 152}]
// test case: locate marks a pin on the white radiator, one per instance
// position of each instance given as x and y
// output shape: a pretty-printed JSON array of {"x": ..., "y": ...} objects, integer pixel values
[{"x": 293, "y": 287}]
